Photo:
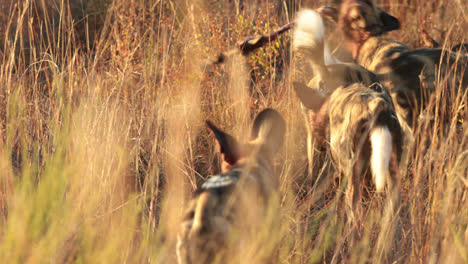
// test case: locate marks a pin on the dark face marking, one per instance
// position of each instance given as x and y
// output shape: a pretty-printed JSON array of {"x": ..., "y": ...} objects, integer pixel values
[{"x": 361, "y": 19}]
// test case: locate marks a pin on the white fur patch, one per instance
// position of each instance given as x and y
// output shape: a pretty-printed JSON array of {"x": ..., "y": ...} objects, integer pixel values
[
  {"x": 309, "y": 30},
  {"x": 309, "y": 35},
  {"x": 381, "y": 142}
]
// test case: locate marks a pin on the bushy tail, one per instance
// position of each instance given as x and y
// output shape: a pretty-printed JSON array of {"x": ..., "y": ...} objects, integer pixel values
[
  {"x": 309, "y": 38},
  {"x": 381, "y": 143}
]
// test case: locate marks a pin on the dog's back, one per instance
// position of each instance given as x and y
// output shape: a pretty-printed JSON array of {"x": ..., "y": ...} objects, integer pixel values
[
  {"x": 206, "y": 223},
  {"x": 363, "y": 127},
  {"x": 377, "y": 53}
]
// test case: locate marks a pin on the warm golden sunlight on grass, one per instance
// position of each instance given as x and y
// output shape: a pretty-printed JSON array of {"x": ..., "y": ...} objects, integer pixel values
[{"x": 103, "y": 139}]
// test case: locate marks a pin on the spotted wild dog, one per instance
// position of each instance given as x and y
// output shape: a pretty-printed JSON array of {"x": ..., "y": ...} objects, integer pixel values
[
  {"x": 354, "y": 117},
  {"x": 328, "y": 73},
  {"x": 411, "y": 75},
  {"x": 220, "y": 204}
]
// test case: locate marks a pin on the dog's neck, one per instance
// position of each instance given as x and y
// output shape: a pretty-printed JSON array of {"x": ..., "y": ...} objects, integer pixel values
[
  {"x": 363, "y": 49},
  {"x": 356, "y": 47},
  {"x": 354, "y": 44}
]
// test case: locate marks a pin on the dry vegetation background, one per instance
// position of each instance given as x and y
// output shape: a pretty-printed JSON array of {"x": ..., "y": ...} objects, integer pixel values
[{"x": 102, "y": 137}]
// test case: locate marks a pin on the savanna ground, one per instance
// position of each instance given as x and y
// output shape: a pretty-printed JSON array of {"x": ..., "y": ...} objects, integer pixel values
[{"x": 102, "y": 136}]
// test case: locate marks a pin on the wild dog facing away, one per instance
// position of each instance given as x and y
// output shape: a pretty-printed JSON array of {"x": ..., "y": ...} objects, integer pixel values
[
  {"x": 329, "y": 73},
  {"x": 411, "y": 75},
  {"x": 354, "y": 119},
  {"x": 225, "y": 201}
]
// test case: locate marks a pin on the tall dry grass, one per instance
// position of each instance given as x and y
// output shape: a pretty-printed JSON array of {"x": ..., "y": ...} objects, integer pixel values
[{"x": 102, "y": 138}]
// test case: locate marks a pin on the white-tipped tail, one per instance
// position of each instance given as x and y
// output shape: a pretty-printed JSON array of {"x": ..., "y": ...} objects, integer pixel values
[
  {"x": 309, "y": 37},
  {"x": 381, "y": 143}
]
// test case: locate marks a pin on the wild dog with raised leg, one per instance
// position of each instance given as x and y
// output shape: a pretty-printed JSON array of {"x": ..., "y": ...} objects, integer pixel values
[
  {"x": 355, "y": 121},
  {"x": 247, "y": 171},
  {"x": 329, "y": 72},
  {"x": 352, "y": 110}
]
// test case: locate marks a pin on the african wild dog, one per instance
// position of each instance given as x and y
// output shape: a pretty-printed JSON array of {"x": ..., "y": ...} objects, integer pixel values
[
  {"x": 351, "y": 111},
  {"x": 410, "y": 75},
  {"x": 301, "y": 41},
  {"x": 363, "y": 25},
  {"x": 308, "y": 41},
  {"x": 220, "y": 203}
]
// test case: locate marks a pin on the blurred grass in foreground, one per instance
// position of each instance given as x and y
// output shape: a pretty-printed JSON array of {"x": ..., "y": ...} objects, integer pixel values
[{"x": 102, "y": 105}]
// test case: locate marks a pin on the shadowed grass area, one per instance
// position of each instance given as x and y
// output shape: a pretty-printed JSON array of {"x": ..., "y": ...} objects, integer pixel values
[{"x": 102, "y": 137}]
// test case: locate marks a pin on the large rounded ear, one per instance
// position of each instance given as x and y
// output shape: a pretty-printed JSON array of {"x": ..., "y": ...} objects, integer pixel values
[
  {"x": 309, "y": 97},
  {"x": 389, "y": 22},
  {"x": 270, "y": 126},
  {"x": 229, "y": 146}
]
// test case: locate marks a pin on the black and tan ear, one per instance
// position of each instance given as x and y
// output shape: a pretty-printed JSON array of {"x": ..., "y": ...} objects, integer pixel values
[
  {"x": 229, "y": 146},
  {"x": 309, "y": 97},
  {"x": 389, "y": 22},
  {"x": 270, "y": 127}
]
